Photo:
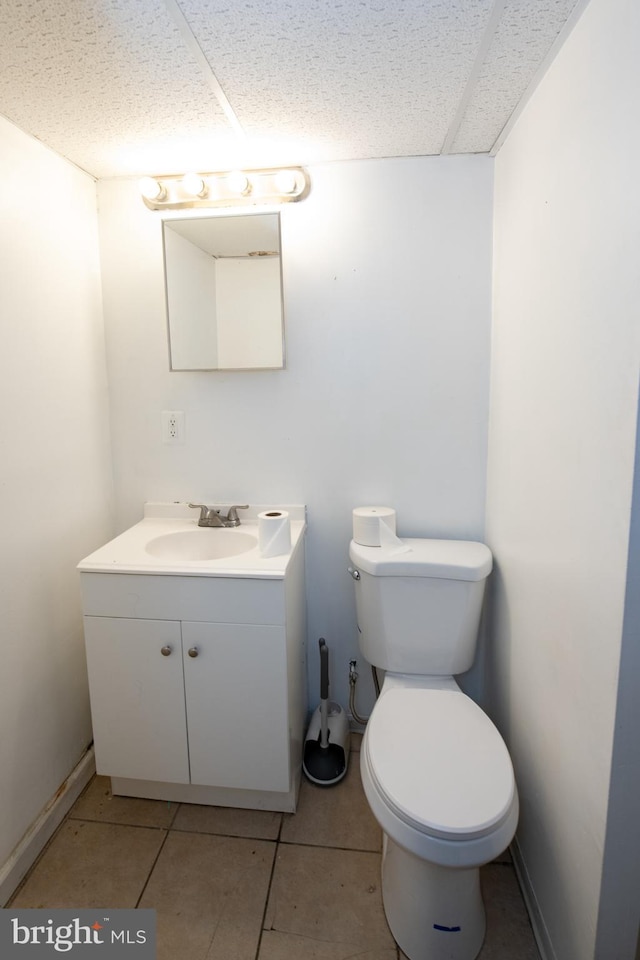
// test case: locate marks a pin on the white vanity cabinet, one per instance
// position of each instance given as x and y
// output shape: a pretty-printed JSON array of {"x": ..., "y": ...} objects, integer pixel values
[
  {"x": 197, "y": 685},
  {"x": 236, "y": 698},
  {"x": 137, "y": 698}
]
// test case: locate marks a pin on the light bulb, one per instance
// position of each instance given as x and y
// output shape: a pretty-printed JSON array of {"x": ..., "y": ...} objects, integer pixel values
[
  {"x": 285, "y": 181},
  {"x": 239, "y": 183},
  {"x": 194, "y": 185},
  {"x": 152, "y": 189}
]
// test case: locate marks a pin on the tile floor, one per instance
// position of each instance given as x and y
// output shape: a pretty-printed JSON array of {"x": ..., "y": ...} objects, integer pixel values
[{"x": 248, "y": 885}]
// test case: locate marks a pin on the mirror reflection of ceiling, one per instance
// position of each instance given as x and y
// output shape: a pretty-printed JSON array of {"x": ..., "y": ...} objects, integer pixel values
[
  {"x": 127, "y": 88},
  {"x": 234, "y": 236}
]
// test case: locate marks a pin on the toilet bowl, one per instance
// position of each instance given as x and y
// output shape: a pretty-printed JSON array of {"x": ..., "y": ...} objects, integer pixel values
[
  {"x": 440, "y": 783},
  {"x": 435, "y": 770}
]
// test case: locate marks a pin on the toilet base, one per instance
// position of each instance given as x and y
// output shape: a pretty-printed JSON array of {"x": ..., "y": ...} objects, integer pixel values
[{"x": 434, "y": 912}]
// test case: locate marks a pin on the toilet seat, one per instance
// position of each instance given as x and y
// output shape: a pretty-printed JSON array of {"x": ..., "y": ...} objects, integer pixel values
[{"x": 439, "y": 764}]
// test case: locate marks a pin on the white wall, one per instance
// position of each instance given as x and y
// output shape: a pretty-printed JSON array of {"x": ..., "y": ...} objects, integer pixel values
[
  {"x": 566, "y": 345},
  {"x": 384, "y": 399},
  {"x": 55, "y": 482}
]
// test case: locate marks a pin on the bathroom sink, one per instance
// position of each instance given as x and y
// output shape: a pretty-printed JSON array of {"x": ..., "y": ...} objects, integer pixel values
[
  {"x": 201, "y": 544},
  {"x": 169, "y": 542}
]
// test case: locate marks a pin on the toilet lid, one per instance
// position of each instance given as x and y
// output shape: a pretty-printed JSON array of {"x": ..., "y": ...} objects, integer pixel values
[{"x": 440, "y": 763}]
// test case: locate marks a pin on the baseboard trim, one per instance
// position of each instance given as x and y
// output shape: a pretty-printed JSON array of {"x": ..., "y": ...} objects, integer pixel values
[
  {"x": 540, "y": 932},
  {"x": 44, "y": 826}
]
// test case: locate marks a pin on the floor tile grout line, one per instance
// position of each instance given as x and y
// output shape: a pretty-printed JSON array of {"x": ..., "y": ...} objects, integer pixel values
[
  {"x": 220, "y": 833},
  {"x": 268, "y": 896},
  {"x": 118, "y": 823},
  {"x": 76, "y": 820},
  {"x": 175, "y": 813},
  {"x": 330, "y": 846},
  {"x": 269, "y": 885},
  {"x": 151, "y": 869},
  {"x": 278, "y": 838}
]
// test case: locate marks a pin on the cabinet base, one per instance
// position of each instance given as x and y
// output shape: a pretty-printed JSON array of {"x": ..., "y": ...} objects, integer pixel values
[{"x": 209, "y": 796}]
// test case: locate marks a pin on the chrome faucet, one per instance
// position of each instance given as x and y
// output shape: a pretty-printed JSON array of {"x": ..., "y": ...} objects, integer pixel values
[{"x": 210, "y": 517}]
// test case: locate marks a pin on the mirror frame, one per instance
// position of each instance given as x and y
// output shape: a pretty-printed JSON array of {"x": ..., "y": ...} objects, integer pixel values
[{"x": 226, "y": 216}]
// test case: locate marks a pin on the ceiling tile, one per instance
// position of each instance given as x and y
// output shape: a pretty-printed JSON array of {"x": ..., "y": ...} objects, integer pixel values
[
  {"x": 122, "y": 87},
  {"x": 106, "y": 83},
  {"x": 367, "y": 79},
  {"x": 525, "y": 34}
]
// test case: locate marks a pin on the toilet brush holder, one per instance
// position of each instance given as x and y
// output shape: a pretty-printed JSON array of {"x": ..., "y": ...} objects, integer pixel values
[{"x": 326, "y": 747}]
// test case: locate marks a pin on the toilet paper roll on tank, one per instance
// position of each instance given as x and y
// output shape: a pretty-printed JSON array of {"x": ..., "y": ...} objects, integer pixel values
[{"x": 375, "y": 527}]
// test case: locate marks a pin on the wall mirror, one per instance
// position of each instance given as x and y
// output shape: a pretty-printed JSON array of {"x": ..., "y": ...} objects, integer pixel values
[{"x": 223, "y": 282}]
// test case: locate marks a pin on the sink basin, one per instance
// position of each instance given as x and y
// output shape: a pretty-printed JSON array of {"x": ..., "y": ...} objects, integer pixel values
[
  {"x": 169, "y": 542},
  {"x": 201, "y": 544}
]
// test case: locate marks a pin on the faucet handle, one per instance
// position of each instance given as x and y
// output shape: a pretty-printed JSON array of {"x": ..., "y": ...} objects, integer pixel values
[
  {"x": 232, "y": 515},
  {"x": 202, "y": 507}
]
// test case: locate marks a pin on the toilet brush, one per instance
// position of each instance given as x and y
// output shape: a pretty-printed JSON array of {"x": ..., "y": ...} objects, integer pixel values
[{"x": 326, "y": 748}]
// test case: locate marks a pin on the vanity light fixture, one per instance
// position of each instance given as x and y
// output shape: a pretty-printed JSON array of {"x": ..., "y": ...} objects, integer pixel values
[
  {"x": 194, "y": 185},
  {"x": 225, "y": 189},
  {"x": 153, "y": 191},
  {"x": 239, "y": 183},
  {"x": 286, "y": 181}
]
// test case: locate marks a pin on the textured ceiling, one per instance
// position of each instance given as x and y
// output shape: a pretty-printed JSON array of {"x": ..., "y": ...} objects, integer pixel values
[{"x": 129, "y": 87}]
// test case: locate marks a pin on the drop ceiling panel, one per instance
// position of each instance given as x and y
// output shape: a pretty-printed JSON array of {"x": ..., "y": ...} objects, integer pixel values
[
  {"x": 106, "y": 83},
  {"x": 367, "y": 79},
  {"x": 131, "y": 87},
  {"x": 525, "y": 34}
]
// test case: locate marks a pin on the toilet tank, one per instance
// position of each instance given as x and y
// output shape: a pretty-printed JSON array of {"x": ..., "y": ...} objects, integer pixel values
[{"x": 418, "y": 603}]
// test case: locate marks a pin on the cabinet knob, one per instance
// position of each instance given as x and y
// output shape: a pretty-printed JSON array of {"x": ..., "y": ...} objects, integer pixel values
[
  {"x": 166, "y": 651},
  {"x": 193, "y": 651}
]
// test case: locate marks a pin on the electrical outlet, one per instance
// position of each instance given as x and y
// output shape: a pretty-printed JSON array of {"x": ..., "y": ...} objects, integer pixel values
[{"x": 172, "y": 426}]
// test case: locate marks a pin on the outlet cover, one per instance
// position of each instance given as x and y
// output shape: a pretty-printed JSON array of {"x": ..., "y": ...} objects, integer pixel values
[{"x": 173, "y": 426}]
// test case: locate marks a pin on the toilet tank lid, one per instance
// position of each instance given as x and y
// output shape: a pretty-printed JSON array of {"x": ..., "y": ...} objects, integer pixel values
[{"x": 415, "y": 557}]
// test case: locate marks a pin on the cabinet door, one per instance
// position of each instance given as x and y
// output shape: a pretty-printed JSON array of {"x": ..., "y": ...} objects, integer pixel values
[
  {"x": 137, "y": 698},
  {"x": 237, "y": 705}
]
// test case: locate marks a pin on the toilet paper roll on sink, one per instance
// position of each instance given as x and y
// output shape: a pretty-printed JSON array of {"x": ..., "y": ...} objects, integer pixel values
[
  {"x": 375, "y": 526},
  {"x": 274, "y": 533}
]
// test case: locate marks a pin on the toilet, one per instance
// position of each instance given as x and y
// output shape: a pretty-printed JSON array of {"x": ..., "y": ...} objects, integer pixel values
[{"x": 436, "y": 772}]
